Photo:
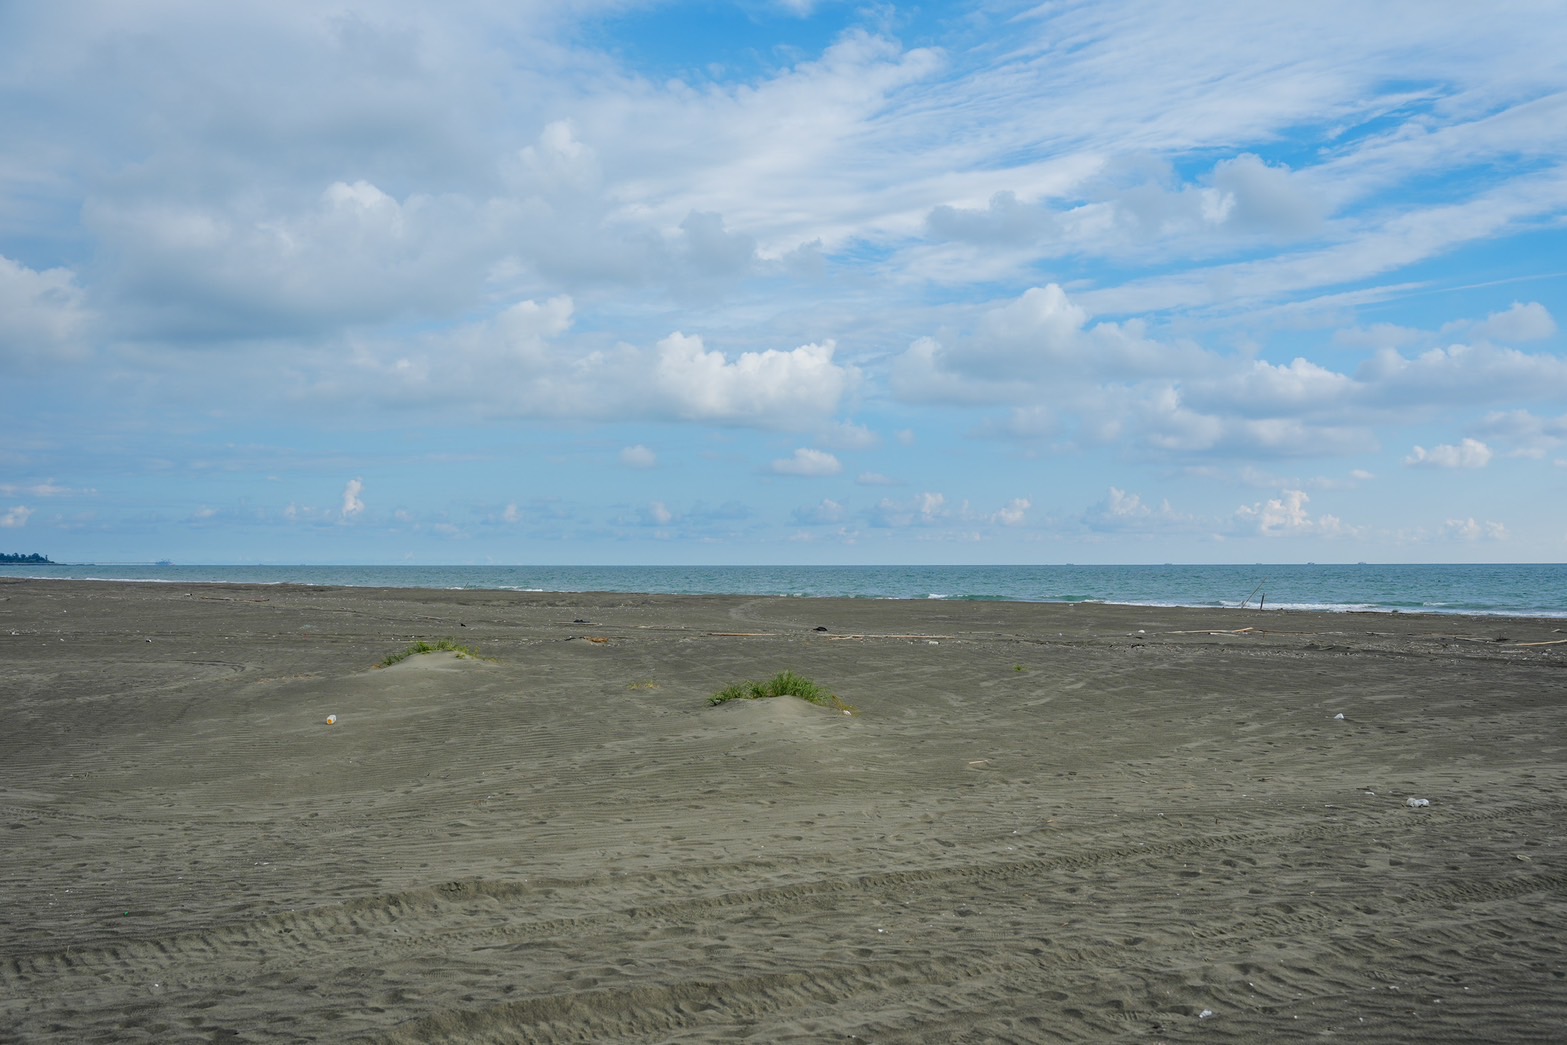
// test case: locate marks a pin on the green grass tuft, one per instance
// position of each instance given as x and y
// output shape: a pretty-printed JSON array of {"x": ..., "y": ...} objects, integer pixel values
[
  {"x": 443, "y": 646},
  {"x": 784, "y": 684}
]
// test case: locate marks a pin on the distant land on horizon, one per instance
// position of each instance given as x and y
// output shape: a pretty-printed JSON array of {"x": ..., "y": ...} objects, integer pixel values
[{"x": 17, "y": 557}]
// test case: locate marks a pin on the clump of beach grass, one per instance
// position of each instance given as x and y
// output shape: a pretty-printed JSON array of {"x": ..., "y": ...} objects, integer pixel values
[
  {"x": 441, "y": 646},
  {"x": 783, "y": 684}
]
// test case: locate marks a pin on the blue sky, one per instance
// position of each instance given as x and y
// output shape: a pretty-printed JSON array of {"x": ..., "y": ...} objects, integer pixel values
[{"x": 782, "y": 281}]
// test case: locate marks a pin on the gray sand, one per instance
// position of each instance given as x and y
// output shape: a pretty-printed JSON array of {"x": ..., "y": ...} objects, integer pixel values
[{"x": 1047, "y": 823}]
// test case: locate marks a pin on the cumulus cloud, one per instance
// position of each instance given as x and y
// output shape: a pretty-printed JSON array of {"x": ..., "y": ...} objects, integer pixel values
[
  {"x": 1281, "y": 516},
  {"x": 1251, "y": 196},
  {"x": 234, "y": 269},
  {"x": 827, "y": 513},
  {"x": 1471, "y": 529},
  {"x": 846, "y": 435},
  {"x": 352, "y": 503},
  {"x": 1521, "y": 322},
  {"x": 1529, "y": 434},
  {"x": 1014, "y": 513},
  {"x": 1004, "y": 221},
  {"x": 1287, "y": 516},
  {"x": 926, "y": 509},
  {"x": 1471, "y": 453},
  {"x": 1468, "y": 374},
  {"x": 43, "y": 316},
  {"x": 1125, "y": 512},
  {"x": 1262, "y": 388},
  {"x": 16, "y": 517},
  {"x": 638, "y": 456},
  {"x": 1064, "y": 377},
  {"x": 1041, "y": 343},
  {"x": 559, "y": 160},
  {"x": 712, "y": 250},
  {"x": 807, "y": 462},
  {"x": 523, "y": 362},
  {"x": 756, "y": 388}
]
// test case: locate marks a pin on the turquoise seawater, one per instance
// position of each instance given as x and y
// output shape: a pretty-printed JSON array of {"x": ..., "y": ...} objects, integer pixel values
[{"x": 1513, "y": 590}]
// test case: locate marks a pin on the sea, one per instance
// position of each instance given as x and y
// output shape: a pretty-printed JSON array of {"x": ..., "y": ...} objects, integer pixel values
[{"x": 1520, "y": 589}]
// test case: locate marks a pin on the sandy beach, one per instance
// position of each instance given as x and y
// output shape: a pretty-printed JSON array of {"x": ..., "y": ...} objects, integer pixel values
[{"x": 1045, "y": 823}]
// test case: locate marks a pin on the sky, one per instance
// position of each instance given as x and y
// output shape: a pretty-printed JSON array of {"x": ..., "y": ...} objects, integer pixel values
[{"x": 783, "y": 281}]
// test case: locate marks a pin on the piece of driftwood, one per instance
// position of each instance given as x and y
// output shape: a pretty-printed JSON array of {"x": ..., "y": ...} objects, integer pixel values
[{"x": 928, "y": 638}]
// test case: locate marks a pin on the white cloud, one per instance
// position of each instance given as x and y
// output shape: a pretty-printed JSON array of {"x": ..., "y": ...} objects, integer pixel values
[
  {"x": 240, "y": 269},
  {"x": 1251, "y": 196},
  {"x": 47, "y": 488},
  {"x": 1262, "y": 388},
  {"x": 712, "y": 250},
  {"x": 1281, "y": 516},
  {"x": 846, "y": 435},
  {"x": 1531, "y": 435},
  {"x": 761, "y": 388},
  {"x": 15, "y": 518},
  {"x": 1123, "y": 512},
  {"x": 43, "y": 316},
  {"x": 1014, "y": 514},
  {"x": 638, "y": 456},
  {"x": 807, "y": 462},
  {"x": 1471, "y": 453},
  {"x": 1286, "y": 516},
  {"x": 1003, "y": 221},
  {"x": 658, "y": 514},
  {"x": 1040, "y": 340},
  {"x": 827, "y": 513},
  {"x": 559, "y": 161},
  {"x": 1521, "y": 322},
  {"x": 523, "y": 362},
  {"x": 1471, "y": 529},
  {"x": 926, "y": 509},
  {"x": 874, "y": 479},
  {"x": 352, "y": 504}
]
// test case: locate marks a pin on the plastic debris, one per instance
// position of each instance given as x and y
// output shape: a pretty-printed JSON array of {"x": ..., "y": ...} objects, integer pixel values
[
  {"x": 1339, "y": 717},
  {"x": 1417, "y": 803},
  {"x": 331, "y": 720},
  {"x": 1205, "y": 1014}
]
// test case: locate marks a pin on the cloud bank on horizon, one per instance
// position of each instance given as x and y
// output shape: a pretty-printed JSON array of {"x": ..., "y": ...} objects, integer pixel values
[{"x": 783, "y": 281}]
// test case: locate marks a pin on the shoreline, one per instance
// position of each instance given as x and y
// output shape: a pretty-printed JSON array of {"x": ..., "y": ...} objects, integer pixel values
[
  {"x": 1057, "y": 821},
  {"x": 1287, "y": 607}
]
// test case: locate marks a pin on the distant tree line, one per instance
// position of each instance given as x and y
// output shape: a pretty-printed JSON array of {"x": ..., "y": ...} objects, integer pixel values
[{"x": 17, "y": 557}]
